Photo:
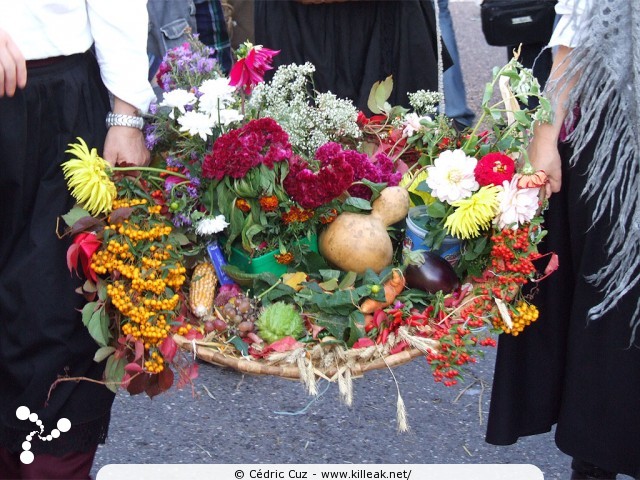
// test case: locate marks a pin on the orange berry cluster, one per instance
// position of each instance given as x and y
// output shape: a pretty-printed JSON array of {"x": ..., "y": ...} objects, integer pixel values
[
  {"x": 146, "y": 275},
  {"x": 525, "y": 316}
]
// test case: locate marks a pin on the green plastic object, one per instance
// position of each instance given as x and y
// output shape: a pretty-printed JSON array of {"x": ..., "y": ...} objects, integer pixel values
[{"x": 266, "y": 262}]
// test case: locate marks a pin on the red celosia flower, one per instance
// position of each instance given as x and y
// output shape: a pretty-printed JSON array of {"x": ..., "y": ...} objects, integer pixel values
[
  {"x": 260, "y": 141},
  {"x": 249, "y": 71},
  {"x": 494, "y": 168},
  {"x": 269, "y": 204},
  {"x": 84, "y": 245}
]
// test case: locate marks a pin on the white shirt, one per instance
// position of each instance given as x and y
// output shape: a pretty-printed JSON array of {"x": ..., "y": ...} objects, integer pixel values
[
  {"x": 119, "y": 28},
  {"x": 570, "y": 14}
]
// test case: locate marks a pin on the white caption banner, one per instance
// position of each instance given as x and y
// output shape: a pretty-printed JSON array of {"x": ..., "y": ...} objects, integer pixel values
[{"x": 318, "y": 472}]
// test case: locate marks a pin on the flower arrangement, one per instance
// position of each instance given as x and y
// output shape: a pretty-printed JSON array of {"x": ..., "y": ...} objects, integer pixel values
[{"x": 263, "y": 166}]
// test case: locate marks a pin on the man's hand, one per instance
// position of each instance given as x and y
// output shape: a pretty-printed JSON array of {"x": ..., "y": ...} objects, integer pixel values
[
  {"x": 13, "y": 67},
  {"x": 125, "y": 146}
]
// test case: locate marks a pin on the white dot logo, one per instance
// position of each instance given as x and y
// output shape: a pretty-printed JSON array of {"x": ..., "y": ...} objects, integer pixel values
[{"x": 23, "y": 413}]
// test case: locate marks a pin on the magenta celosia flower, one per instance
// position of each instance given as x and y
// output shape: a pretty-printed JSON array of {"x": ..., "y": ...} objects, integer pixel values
[
  {"x": 311, "y": 189},
  {"x": 249, "y": 71},
  {"x": 260, "y": 141}
]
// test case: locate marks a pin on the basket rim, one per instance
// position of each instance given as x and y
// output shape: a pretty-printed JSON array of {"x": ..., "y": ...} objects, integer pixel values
[{"x": 255, "y": 367}]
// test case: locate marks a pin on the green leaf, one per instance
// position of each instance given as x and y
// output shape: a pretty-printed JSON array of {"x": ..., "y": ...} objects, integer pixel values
[
  {"x": 240, "y": 345},
  {"x": 327, "y": 274},
  {"x": 522, "y": 117},
  {"x": 416, "y": 199},
  {"x": 379, "y": 94},
  {"x": 87, "y": 312},
  {"x": 330, "y": 285},
  {"x": 335, "y": 324},
  {"x": 437, "y": 210},
  {"x": 75, "y": 214},
  {"x": 348, "y": 281},
  {"x": 355, "y": 329},
  {"x": 99, "y": 327},
  {"x": 114, "y": 371},
  {"x": 371, "y": 277},
  {"x": 178, "y": 237},
  {"x": 488, "y": 93},
  {"x": 102, "y": 353},
  {"x": 356, "y": 204}
]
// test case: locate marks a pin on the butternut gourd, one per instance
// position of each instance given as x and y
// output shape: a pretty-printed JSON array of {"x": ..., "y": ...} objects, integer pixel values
[{"x": 357, "y": 241}]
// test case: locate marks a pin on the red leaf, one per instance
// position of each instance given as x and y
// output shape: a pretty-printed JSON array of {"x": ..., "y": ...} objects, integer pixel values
[
  {"x": 553, "y": 264},
  {"x": 285, "y": 344},
  {"x": 363, "y": 343},
  {"x": 159, "y": 383},
  {"x": 193, "y": 334},
  {"x": 168, "y": 348},
  {"x": 400, "y": 346},
  {"x": 72, "y": 257},
  {"x": 187, "y": 375},
  {"x": 132, "y": 367},
  {"x": 165, "y": 379},
  {"x": 138, "y": 383},
  {"x": 139, "y": 350}
]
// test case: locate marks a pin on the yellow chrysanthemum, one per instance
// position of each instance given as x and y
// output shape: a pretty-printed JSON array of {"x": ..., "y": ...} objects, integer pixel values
[
  {"x": 411, "y": 181},
  {"x": 473, "y": 214},
  {"x": 88, "y": 178}
]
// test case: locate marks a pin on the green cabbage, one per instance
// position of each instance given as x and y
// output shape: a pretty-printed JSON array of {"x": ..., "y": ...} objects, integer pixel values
[{"x": 279, "y": 320}]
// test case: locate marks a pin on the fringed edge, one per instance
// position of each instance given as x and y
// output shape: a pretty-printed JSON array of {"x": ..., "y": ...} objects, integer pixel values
[{"x": 607, "y": 107}]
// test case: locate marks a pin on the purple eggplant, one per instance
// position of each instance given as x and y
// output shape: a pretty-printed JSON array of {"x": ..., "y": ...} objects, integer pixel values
[{"x": 433, "y": 275}]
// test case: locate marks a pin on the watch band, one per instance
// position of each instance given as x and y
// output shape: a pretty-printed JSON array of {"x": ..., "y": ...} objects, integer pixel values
[{"x": 122, "y": 120}]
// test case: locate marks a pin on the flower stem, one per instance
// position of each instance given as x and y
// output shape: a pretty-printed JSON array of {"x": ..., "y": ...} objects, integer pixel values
[{"x": 148, "y": 169}]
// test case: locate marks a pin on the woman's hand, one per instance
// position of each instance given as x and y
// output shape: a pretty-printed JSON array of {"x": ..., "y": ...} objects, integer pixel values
[
  {"x": 13, "y": 67},
  {"x": 544, "y": 155}
]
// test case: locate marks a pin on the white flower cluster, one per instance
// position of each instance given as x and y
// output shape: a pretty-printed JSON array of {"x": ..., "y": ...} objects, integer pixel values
[
  {"x": 451, "y": 178},
  {"x": 424, "y": 102},
  {"x": 199, "y": 115},
  {"x": 310, "y": 119}
]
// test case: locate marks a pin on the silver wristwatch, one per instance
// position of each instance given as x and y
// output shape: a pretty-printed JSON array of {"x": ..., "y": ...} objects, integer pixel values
[{"x": 122, "y": 120}]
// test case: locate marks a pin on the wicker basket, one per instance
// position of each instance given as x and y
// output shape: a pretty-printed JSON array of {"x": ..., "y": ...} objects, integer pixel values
[{"x": 293, "y": 371}]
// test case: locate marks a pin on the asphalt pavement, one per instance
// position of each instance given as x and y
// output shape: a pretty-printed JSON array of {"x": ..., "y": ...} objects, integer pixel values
[{"x": 227, "y": 417}]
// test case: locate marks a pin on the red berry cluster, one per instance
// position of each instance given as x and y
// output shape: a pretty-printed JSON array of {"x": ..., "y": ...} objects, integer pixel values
[
  {"x": 456, "y": 349},
  {"x": 512, "y": 254}
]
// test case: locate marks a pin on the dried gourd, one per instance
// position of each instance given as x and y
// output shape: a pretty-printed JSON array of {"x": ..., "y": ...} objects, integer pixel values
[{"x": 203, "y": 289}]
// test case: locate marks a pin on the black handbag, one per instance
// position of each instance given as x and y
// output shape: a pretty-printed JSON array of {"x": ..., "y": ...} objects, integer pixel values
[{"x": 511, "y": 22}]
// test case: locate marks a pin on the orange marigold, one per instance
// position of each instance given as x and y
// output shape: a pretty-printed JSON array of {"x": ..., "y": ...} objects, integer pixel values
[
  {"x": 329, "y": 217},
  {"x": 269, "y": 204},
  {"x": 284, "y": 258},
  {"x": 243, "y": 205}
]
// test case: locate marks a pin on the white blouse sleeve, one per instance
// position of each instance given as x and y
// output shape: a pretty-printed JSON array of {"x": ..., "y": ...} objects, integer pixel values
[
  {"x": 119, "y": 29},
  {"x": 570, "y": 13}
]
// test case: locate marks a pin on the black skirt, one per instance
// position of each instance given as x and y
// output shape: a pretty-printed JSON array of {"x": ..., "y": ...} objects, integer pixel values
[
  {"x": 41, "y": 332},
  {"x": 355, "y": 44},
  {"x": 582, "y": 375}
]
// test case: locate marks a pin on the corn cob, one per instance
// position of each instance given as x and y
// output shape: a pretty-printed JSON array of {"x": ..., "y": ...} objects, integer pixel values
[{"x": 203, "y": 289}]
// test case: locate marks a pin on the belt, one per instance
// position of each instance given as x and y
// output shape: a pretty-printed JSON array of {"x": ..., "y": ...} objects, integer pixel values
[{"x": 43, "y": 62}]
